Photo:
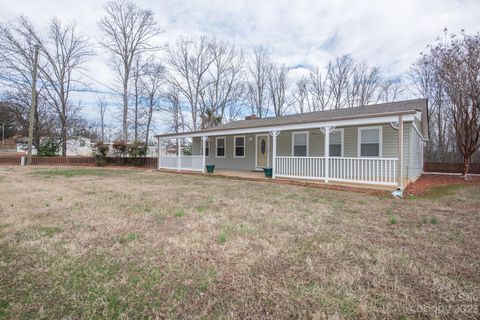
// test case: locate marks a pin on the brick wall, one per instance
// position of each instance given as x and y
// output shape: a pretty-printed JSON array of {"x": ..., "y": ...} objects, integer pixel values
[{"x": 148, "y": 162}]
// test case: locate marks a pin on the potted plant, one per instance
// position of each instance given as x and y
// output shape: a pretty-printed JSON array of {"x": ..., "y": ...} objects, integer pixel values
[
  {"x": 267, "y": 172},
  {"x": 210, "y": 168}
]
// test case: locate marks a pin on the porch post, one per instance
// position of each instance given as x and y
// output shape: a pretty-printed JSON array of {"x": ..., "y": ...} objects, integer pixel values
[
  {"x": 400, "y": 152},
  {"x": 178, "y": 154},
  {"x": 274, "y": 135},
  {"x": 327, "y": 152},
  {"x": 204, "y": 145}
]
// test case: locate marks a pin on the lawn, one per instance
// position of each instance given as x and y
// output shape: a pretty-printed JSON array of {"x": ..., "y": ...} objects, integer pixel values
[{"x": 107, "y": 244}]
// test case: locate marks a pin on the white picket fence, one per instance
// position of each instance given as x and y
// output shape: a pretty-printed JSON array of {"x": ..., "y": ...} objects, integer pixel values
[
  {"x": 357, "y": 170},
  {"x": 191, "y": 163}
]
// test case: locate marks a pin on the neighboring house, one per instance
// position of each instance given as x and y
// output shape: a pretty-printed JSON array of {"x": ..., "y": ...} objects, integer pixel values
[
  {"x": 372, "y": 145},
  {"x": 80, "y": 146}
]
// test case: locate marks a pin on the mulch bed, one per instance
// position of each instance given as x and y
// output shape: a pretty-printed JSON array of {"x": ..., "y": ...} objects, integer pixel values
[{"x": 426, "y": 182}]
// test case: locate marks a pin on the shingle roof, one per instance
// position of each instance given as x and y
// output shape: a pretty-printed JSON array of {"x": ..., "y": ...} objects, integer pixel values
[{"x": 327, "y": 115}]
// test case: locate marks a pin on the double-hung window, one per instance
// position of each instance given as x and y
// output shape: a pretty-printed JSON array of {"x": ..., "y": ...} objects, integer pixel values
[
  {"x": 370, "y": 141},
  {"x": 239, "y": 147},
  {"x": 220, "y": 142},
  {"x": 335, "y": 143},
  {"x": 300, "y": 144},
  {"x": 207, "y": 148}
]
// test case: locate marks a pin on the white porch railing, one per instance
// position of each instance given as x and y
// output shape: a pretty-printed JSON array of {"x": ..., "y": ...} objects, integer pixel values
[
  {"x": 300, "y": 167},
  {"x": 357, "y": 170},
  {"x": 363, "y": 170},
  {"x": 192, "y": 163}
]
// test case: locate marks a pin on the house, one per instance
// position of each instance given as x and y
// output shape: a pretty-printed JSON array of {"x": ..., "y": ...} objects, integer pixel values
[
  {"x": 80, "y": 146},
  {"x": 369, "y": 145}
]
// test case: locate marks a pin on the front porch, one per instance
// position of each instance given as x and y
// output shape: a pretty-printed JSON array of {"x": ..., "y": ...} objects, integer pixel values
[
  {"x": 255, "y": 175},
  {"x": 324, "y": 155}
]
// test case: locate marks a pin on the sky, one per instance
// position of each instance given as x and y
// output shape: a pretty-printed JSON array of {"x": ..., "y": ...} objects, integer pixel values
[{"x": 301, "y": 34}]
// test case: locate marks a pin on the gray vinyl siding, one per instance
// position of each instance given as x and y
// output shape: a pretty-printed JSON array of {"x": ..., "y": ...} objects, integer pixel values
[
  {"x": 229, "y": 162},
  {"x": 412, "y": 162},
  {"x": 415, "y": 169}
]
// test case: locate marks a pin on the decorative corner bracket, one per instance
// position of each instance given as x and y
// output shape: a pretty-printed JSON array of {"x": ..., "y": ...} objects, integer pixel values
[
  {"x": 324, "y": 130},
  {"x": 394, "y": 125},
  {"x": 274, "y": 133}
]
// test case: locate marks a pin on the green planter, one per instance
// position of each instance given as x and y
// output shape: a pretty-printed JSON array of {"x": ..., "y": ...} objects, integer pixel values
[
  {"x": 210, "y": 168},
  {"x": 267, "y": 172}
]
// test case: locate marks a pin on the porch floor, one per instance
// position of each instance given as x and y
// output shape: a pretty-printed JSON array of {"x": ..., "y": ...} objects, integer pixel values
[{"x": 259, "y": 176}]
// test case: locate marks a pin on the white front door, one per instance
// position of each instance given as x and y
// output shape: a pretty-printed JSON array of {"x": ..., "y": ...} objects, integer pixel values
[{"x": 261, "y": 155}]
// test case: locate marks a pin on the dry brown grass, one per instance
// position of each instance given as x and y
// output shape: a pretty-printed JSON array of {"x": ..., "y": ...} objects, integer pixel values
[{"x": 103, "y": 243}]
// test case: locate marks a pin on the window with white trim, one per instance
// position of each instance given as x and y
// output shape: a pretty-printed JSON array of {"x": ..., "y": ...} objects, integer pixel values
[
  {"x": 370, "y": 141},
  {"x": 300, "y": 144},
  {"x": 220, "y": 142},
  {"x": 239, "y": 146},
  {"x": 82, "y": 143},
  {"x": 335, "y": 144}
]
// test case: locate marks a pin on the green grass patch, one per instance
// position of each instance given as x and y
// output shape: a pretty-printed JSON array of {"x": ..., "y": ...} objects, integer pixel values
[
  {"x": 180, "y": 213},
  {"x": 393, "y": 220},
  {"x": 74, "y": 172},
  {"x": 49, "y": 231},
  {"x": 131, "y": 236},
  {"x": 434, "y": 220},
  {"x": 222, "y": 238}
]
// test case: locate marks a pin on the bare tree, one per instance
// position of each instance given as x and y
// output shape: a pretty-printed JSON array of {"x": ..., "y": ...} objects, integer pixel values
[
  {"x": 189, "y": 61},
  {"x": 102, "y": 108},
  {"x": 16, "y": 64},
  {"x": 301, "y": 96},
  {"x": 128, "y": 31},
  {"x": 65, "y": 52},
  {"x": 339, "y": 71},
  {"x": 151, "y": 84},
  {"x": 277, "y": 85},
  {"x": 458, "y": 64},
  {"x": 138, "y": 71},
  {"x": 222, "y": 85},
  {"x": 364, "y": 83},
  {"x": 174, "y": 110},
  {"x": 425, "y": 82},
  {"x": 257, "y": 84},
  {"x": 319, "y": 91},
  {"x": 391, "y": 90}
]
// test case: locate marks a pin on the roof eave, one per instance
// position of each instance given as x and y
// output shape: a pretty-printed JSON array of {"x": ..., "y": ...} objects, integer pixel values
[{"x": 367, "y": 116}]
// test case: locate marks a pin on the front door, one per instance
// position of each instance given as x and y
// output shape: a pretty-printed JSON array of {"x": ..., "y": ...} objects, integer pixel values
[{"x": 262, "y": 151}]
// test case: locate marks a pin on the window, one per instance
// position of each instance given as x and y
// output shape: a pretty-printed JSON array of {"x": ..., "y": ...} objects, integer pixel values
[
  {"x": 207, "y": 147},
  {"x": 220, "y": 147},
  {"x": 336, "y": 143},
  {"x": 82, "y": 143},
  {"x": 239, "y": 147},
  {"x": 300, "y": 144},
  {"x": 370, "y": 141}
]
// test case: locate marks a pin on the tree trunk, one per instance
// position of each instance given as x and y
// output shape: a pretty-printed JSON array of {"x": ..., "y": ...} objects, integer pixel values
[
  {"x": 64, "y": 138},
  {"x": 125, "y": 106},
  {"x": 466, "y": 166}
]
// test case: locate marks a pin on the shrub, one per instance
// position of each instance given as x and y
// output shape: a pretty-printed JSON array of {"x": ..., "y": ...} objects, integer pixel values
[
  {"x": 100, "y": 153},
  {"x": 137, "y": 149},
  {"x": 120, "y": 146},
  {"x": 48, "y": 148},
  {"x": 434, "y": 220}
]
